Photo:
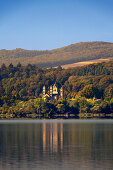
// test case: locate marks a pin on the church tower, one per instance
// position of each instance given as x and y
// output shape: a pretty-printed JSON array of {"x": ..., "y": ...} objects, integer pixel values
[
  {"x": 51, "y": 91},
  {"x": 55, "y": 90},
  {"x": 44, "y": 90},
  {"x": 61, "y": 93}
]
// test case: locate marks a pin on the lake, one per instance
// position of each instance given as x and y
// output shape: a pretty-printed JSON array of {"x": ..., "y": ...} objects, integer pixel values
[{"x": 56, "y": 144}]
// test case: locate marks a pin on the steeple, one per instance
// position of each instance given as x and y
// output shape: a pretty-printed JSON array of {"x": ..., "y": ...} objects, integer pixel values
[
  {"x": 51, "y": 91},
  {"x": 61, "y": 92},
  {"x": 55, "y": 90},
  {"x": 44, "y": 90}
]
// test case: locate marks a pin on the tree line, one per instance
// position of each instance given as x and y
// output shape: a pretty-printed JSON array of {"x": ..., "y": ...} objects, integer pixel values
[{"x": 87, "y": 89}]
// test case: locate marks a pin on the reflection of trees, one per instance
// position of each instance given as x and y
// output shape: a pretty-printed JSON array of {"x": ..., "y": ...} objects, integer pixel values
[{"x": 67, "y": 142}]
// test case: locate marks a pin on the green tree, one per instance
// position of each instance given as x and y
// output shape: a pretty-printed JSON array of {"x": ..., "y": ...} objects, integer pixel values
[
  {"x": 108, "y": 93},
  {"x": 84, "y": 106},
  {"x": 74, "y": 105},
  {"x": 23, "y": 92}
]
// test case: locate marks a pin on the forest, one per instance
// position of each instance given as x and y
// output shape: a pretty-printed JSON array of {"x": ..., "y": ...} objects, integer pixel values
[{"x": 87, "y": 90}]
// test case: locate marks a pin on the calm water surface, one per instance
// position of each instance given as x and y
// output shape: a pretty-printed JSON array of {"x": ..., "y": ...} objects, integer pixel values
[{"x": 54, "y": 145}]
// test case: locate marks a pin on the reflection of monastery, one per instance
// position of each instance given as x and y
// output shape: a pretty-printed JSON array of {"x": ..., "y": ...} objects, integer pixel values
[
  {"x": 51, "y": 135},
  {"x": 52, "y": 92}
]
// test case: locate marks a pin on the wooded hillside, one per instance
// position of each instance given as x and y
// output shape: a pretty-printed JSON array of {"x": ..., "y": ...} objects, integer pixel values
[
  {"x": 84, "y": 51},
  {"x": 87, "y": 89}
]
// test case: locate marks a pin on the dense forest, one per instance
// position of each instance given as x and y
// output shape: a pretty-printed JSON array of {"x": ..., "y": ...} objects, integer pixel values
[
  {"x": 49, "y": 58},
  {"x": 87, "y": 89}
]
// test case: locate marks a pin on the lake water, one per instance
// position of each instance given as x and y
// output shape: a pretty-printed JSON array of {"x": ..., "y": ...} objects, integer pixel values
[{"x": 56, "y": 144}]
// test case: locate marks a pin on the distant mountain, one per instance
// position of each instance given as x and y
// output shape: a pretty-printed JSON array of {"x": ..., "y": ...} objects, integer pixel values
[{"x": 83, "y": 51}]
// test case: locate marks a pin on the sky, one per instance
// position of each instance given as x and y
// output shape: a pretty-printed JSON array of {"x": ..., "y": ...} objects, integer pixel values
[{"x": 51, "y": 24}]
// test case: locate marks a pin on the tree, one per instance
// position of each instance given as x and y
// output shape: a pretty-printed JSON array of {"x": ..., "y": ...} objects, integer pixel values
[
  {"x": 74, "y": 105},
  {"x": 3, "y": 67},
  {"x": 108, "y": 93},
  {"x": 84, "y": 106},
  {"x": 10, "y": 66},
  {"x": 19, "y": 65},
  {"x": 101, "y": 107},
  {"x": 89, "y": 91},
  {"x": 23, "y": 92},
  {"x": 111, "y": 105},
  {"x": 63, "y": 106}
]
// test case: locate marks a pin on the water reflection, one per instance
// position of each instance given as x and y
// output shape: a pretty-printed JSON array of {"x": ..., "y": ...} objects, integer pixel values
[
  {"x": 52, "y": 137},
  {"x": 56, "y": 145}
]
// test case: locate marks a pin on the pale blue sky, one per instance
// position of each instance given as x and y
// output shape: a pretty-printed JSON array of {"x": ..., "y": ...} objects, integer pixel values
[{"x": 50, "y": 24}]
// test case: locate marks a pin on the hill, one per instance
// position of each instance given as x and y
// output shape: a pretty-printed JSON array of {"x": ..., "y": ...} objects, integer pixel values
[{"x": 78, "y": 52}]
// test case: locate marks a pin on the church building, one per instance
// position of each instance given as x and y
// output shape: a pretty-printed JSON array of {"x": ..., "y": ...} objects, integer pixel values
[{"x": 52, "y": 92}]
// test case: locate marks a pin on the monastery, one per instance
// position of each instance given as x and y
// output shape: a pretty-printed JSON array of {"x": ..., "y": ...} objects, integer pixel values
[{"x": 52, "y": 92}]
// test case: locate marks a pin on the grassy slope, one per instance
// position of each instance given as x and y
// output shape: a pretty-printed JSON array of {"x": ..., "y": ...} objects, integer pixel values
[
  {"x": 84, "y": 63},
  {"x": 84, "y": 51}
]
